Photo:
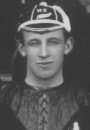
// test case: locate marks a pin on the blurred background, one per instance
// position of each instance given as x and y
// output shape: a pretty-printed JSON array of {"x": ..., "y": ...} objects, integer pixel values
[{"x": 77, "y": 65}]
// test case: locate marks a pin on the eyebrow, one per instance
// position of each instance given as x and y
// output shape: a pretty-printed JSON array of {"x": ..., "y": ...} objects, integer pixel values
[
  {"x": 51, "y": 38},
  {"x": 34, "y": 39},
  {"x": 54, "y": 38}
]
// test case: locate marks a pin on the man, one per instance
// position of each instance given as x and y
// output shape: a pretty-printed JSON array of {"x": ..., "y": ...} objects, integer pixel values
[{"x": 44, "y": 101}]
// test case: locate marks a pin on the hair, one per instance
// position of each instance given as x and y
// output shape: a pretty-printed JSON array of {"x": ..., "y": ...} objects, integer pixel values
[{"x": 67, "y": 34}]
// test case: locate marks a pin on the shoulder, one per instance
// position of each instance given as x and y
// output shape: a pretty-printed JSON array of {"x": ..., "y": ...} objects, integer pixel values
[
  {"x": 8, "y": 119},
  {"x": 8, "y": 91},
  {"x": 5, "y": 89},
  {"x": 79, "y": 90}
]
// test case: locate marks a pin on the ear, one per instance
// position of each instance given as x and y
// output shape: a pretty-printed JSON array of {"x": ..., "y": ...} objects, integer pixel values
[
  {"x": 69, "y": 45},
  {"x": 21, "y": 49}
]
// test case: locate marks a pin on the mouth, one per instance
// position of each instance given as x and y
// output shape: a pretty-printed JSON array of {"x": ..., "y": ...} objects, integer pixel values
[{"x": 44, "y": 63}]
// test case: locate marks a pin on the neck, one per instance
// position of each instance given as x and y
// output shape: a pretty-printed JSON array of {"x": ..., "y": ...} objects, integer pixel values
[{"x": 46, "y": 83}]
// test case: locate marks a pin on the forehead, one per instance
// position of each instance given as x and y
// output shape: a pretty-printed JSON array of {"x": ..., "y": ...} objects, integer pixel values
[{"x": 28, "y": 35}]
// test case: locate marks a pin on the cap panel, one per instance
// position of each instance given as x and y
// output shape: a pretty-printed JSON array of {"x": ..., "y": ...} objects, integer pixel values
[
  {"x": 65, "y": 18},
  {"x": 42, "y": 12}
]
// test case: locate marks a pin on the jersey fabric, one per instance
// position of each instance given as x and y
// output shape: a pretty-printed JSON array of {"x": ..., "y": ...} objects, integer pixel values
[{"x": 64, "y": 107}]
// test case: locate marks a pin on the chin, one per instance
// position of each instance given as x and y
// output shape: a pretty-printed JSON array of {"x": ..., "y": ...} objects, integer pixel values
[{"x": 44, "y": 76}]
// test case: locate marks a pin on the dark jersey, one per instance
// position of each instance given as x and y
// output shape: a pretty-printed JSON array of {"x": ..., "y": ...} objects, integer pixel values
[{"x": 64, "y": 107}]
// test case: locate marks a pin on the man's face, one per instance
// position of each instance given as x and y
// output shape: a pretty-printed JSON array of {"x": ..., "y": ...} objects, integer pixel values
[{"x": 45, "y": 52}]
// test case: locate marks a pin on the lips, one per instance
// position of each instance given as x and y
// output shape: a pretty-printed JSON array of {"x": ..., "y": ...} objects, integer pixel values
[{"x": 44, "y": 63}]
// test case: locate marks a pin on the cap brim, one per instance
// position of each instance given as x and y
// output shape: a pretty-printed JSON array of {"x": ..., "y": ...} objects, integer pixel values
[{"x": 40, "y": 25}]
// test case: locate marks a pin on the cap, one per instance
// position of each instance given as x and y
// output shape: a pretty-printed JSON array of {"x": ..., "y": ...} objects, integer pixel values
[{"x": 45, "y": 17}]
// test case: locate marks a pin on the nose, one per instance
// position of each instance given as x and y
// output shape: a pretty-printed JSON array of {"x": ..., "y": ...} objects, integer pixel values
[{"x": 44, "y": 53}]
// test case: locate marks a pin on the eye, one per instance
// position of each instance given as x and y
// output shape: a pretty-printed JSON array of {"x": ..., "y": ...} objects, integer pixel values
[
  {"x": 53, "y": 41},
  {"x": 34, "y": 42}
]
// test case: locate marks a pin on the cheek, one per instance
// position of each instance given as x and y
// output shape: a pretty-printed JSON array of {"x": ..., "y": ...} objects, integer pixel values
[
  {"x": 59, "y": 56},
  {"x": 30, "y": 51},
  {"x": 31, "y": 55},
  {"x": 59, "y": 51}
]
